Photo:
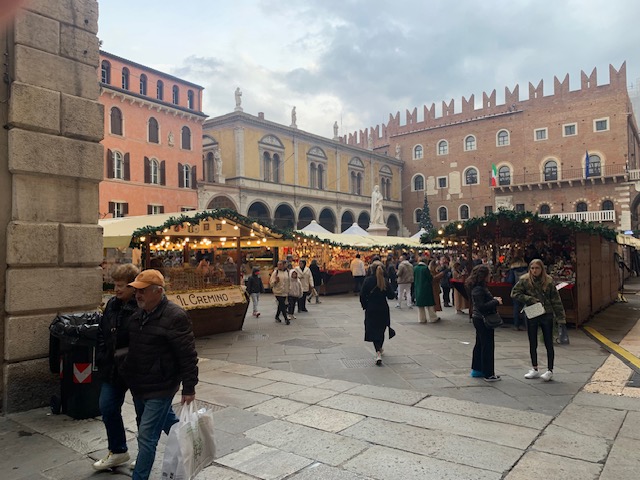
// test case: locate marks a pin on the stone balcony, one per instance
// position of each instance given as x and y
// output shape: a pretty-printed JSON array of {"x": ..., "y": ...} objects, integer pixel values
[
  {"x": 591, "y": 217},
  {"x": 570, "y": 177}
]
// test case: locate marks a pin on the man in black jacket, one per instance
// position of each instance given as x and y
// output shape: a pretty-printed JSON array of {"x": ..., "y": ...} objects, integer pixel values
[{"x": 162, "y": 354}]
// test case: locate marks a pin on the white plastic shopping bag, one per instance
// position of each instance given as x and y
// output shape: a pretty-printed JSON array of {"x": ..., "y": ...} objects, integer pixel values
[{"x": 190, "y": 446}]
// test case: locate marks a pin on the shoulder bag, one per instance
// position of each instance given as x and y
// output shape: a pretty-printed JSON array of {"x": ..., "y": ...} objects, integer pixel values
[
  {"x": 492, "y": 320},
  {"x": 533, "y": 311}
]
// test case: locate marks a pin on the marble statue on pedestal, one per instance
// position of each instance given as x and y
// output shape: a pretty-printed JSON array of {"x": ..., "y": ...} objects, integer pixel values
[{"x": 377, "y": 214}]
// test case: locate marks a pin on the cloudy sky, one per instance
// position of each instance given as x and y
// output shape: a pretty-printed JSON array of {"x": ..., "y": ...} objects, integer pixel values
[{"x": 357, "y": 61}]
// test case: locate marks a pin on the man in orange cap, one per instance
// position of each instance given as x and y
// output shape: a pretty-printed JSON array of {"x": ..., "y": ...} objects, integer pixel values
[{"x": 162, "y": 354}]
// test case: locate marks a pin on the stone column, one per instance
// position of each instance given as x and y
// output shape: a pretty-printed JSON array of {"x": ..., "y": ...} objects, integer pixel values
[{"x": 52, "y": 162}]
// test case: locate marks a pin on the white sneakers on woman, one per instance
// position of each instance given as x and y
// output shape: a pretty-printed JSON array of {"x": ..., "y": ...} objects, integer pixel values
[{"x": 533, "y": 373}]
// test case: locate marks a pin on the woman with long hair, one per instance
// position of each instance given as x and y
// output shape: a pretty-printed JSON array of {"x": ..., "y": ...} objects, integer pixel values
[
  {"x": 483, "y": 303},
  {"x": 533, "y": 287},
  {"x": 436, "y": 276},
  {"x": 374, "y": 293}
]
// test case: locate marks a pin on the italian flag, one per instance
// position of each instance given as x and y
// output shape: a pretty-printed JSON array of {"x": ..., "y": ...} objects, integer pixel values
[{"x": 494, "y": 175}]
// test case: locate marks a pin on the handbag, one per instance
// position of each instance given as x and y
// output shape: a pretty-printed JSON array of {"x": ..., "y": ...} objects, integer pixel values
[
  {"x": 492, "y": 320},
  {"x": 190, "y": 446},
  {"x": 533, "y": 311}
]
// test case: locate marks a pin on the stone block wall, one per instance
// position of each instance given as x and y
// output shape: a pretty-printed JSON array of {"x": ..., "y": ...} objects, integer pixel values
[{"x": 51, "y": 162}]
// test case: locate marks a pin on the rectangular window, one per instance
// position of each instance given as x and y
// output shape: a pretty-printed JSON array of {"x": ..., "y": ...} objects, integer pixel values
[
  {"x": 442, "y": 182},
  {"x": 118, "y": 209},
  {"x": 570, "y": 130},
  {"x": 187, "y": 209},
  {"x": 519, "y": 207},
  {"x": 540, "y": 134},
  {"x": 601, "y": 125},
  {"x": 155, "y": 209},
  {"x": 488, "y": 209}
]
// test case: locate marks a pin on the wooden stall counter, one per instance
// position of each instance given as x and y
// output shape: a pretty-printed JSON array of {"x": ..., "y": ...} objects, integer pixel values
[{"x": 336, "y": 281}]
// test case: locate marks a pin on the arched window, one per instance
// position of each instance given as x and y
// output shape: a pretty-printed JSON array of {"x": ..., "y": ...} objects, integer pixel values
[
  {"x": 275, "y": 165},
  {"x": 320, "y": 177},
  {"x": 209, "y": 167},
  {"x": 175, "y": 97},
  {"x": 356, "y": 174},
  {"x": 186, "y": 138},
  {"x": 116, "y": 121},
  {"x": 594, "y": 167},
  {"x": 443, "y": 215},
  {"x": 607, "y": 205},
  {"x": 582, "y": 207},
  {"x": 266, "y": 164},
  {"x": 159, "y": 90},
  {"x": 154, "y": 171},
  {"x": 503, "y": 138},
  {"x": 417, "y": 215},
  {"x": 417, "y": 152},
  {"x": 464, "y": 212},
  {"x": 443, "y": 147},
  {"x": 143, "y": 84},
  {"x": 469, "y": 143},
  {"x": 190, "y": 99},
  {"x": 418, "y": 182},
  {"x": 313, "y": 175},
  {"x": 125, "y": 78},
  {"x": 550, "y": 171},
  {"x": 545, "y": 209},
  {"x": 504, "y": 175},
  {"x": 154, "y": 129},
  {"x": 471, "y": 176},
  {"x": 118, "y": 165},
  {"x": 186, "y": 176},
  {"x": 105, "y": 71}
]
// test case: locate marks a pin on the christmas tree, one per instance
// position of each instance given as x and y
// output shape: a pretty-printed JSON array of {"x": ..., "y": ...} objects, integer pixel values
[{"x": 425, "y": 220}]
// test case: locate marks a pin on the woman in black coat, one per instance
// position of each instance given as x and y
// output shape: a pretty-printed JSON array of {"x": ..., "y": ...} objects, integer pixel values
[
  {"x": 482, "y": 363},
  {"x": 317, "y": 280},
  {"x": 374, "y": 293}
]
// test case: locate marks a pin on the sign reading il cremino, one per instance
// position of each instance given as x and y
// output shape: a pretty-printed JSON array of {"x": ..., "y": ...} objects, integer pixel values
[{"x": 220, "y": 297}]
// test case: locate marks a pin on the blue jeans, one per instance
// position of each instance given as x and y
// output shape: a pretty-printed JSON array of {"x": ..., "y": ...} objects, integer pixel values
[
  {"x": 255, "y": 298},
  {"x": 518, "y": 318},
  {"x": 153, "y": 415},
  {"x": 111, "y": 400}
]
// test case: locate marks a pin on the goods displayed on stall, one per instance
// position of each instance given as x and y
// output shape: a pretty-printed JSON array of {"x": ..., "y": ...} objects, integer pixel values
[{"x": 578, "y": 255}]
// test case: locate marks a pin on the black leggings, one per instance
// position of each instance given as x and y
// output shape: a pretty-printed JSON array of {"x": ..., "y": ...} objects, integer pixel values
[
  {"x": 546, "y": 325},
  {"x": 282, "y": 307},
  {"x": 378, "y": 345}
]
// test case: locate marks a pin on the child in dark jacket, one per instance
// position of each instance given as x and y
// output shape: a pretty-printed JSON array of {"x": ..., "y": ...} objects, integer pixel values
[{"x": 255, "y": 288}]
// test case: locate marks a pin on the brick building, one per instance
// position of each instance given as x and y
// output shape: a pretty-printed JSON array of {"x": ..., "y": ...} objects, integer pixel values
[
  {"x": 289, "y": 177},
  {"x": 522, "y": 154},
  {"x": 152, "y": 139}
]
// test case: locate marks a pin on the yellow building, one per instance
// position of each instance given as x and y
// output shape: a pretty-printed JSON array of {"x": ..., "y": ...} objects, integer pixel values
[{"x": 289, "y": 177}]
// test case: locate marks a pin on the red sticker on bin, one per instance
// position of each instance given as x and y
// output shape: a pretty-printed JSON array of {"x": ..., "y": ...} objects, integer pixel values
[{"x": 81, "y": 373}]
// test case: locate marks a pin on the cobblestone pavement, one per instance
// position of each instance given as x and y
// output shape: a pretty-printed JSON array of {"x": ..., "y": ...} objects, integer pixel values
[{"x": 306, "y": 401}]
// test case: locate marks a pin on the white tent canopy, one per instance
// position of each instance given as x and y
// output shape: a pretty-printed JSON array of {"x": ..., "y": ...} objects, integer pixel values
[
  {"x": 356, "y": 229},
  {"x": 419, "y": 234},
  {"x": 315, "y": 227}
]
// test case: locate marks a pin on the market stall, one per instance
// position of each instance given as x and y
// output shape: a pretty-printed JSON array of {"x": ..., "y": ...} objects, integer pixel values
[
  {"x": 579, "y": 256},
  {"x": 202, "y": 256}
]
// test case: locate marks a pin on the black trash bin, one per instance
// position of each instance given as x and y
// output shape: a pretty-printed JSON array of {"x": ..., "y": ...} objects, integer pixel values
[{"x": 72, "y": 354}]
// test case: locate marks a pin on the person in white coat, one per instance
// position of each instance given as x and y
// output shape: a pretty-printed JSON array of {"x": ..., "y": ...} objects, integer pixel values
[{"x": 306, "y": 279}]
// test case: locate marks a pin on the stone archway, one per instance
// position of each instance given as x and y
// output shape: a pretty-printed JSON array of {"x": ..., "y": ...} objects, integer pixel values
[
  {"x": 221, "y": 201},
  {"x": 393, "y": 225},
  {"x": 304, "y": 217},
  {"x": 328, "y": 220},
  {"x": 259, "y": 211},
  {"x": 364, "y": 220},
  {"x": 284, "y": 217},
  {"x": 346, "y": 222}
]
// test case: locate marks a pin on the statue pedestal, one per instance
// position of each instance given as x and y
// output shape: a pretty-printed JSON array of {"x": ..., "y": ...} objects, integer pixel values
[
  {"x": 220, "y": 179},
  {"x": 377, "y": 229}
]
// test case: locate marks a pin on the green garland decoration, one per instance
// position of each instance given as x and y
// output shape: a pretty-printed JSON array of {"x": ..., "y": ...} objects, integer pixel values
[{"x": 462, "y": 228}]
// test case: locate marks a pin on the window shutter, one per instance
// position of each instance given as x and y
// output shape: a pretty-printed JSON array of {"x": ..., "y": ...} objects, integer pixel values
[
  {"x": 194, "y": 177},
  {"x": 112, "y": 208},
  {"x": 180, "y": 176},
  {"x": 147, "y": 170},
  {"x": 125, "y": 209},
  {"x": 109, "y": 164},
  {"x": 163, "y": 178},
  {"x": 127, "y": 168},
  {"x": 161, "y": 208},
  {"x": 149, "y": 209}
]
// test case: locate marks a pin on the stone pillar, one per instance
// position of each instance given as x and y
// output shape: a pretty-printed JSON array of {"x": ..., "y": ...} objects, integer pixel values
[{"x": 51, "y": 162}]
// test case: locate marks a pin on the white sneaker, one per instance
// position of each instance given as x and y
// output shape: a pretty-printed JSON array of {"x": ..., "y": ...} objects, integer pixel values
[
  {"x": 546, "y": 376},
  {"x": 112, "y": 460},
  {"x": 378, "y": 358},
  {"x": 533, "y": 373}
]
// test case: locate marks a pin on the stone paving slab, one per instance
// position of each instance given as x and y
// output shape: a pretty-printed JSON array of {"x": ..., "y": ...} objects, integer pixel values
[
  {"x": 602, "y": 422},
  {"x": 230, "y": 396},
  {"x": 265, "y": 462},
  {"x": 312, "y": 395},
  {"x": 324, "y": 447},
  {"x": 386, "y": 463},
  {"x": 319, "y": 471},
  {"x": 296, "y": 378},
  {"x": 631, "y": 426},
  {"x": 326, "y": 419},
  {"x": 558, "y": 440},
  {"x": 278, "y": 407},
  {"x": 404, "y": 397},
  {"x": 233, "y": 380},
  {"x": 623, "y": 462},
  {"x": 540, "y": 465},
  {"x": 440, "y": 445},
  {"x": 236, "y": 420},
  {"x": 279, "y": 389},
  {"x": 218, "y": 472}
]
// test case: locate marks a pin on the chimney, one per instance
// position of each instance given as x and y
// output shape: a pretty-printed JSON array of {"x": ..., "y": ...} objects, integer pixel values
[{"x": 261, "y": 115}]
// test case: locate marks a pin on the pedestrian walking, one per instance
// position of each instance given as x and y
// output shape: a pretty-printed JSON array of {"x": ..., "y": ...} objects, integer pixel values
[
  {"x": 533, "y": 287},
  {"x": 294, "y": 294},
  {"x": 113, "y": 335},
  {"x": 483, "y": 303},
  {"x": 445, "y": 281},
  {"x": 317, "y": 280},
  {"x": 405, "y": 279},
  {"x": 422, "y": 284},
  {"x": 436, "y": 275},
  {"x": 358, "y": 272},
  {"x": 306, "y": 280},
  {"x": 391, "y": 272},
  {"x": 459, "y": 274},
  {"x": 255, "y": 288},
  {"x": 279, "y": 282},
  {"x": 375, "y": 291},
  {"x": 162, "y": 355}
]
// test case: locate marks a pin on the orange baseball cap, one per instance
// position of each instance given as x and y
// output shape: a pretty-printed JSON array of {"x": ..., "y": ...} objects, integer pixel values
[{"x": 147, "y": 278}]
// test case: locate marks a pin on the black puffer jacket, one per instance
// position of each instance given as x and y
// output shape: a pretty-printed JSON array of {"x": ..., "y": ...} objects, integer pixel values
[
  {"x": 113, "y": 334},
  {"x": 162, "y": 353}
]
